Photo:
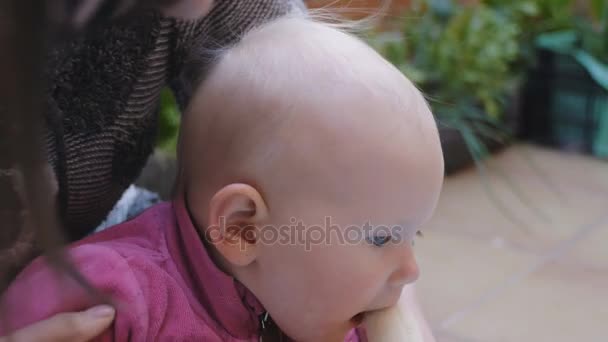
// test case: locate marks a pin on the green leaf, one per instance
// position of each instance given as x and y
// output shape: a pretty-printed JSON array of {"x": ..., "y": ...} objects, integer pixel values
[
  {"x": 560, "y": 41},
  {"x": 528, "y": 8},
  {"x": 598, "y": 7},
  {"x": 597, "y": 70},
  {"x": 442, "y": 8},
  {"x": 168, "y": 122}
]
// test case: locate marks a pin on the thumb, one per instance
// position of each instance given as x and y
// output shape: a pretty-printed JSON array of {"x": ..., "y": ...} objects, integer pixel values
[{"x": 70, "y": 327}]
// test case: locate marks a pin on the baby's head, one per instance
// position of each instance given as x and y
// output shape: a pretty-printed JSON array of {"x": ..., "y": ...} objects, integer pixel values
[{"x": 315, "y": 162}]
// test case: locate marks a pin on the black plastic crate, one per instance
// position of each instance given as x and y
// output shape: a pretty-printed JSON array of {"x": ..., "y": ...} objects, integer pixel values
[{"x": 563, "y": 107}]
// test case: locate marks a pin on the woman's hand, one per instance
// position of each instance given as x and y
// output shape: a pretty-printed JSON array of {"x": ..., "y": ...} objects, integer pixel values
[{"x": 69, "y": 327}]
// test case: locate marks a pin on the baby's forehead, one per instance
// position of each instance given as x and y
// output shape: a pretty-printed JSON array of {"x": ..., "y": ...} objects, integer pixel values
[
  {"x": 297, "y": 60},
  {"x": 307, "y": 73},
  {"x": 298, "y": 83}
]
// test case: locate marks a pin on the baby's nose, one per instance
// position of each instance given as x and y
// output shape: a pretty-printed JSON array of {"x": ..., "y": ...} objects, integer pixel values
[{"x": 407, "y": 270}]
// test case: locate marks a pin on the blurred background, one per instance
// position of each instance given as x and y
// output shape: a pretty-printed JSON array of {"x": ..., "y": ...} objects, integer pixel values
[{"x": 518, "y": 248}]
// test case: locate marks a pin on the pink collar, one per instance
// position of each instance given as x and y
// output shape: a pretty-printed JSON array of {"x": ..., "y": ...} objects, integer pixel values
[{"x": 223, "y": 297}]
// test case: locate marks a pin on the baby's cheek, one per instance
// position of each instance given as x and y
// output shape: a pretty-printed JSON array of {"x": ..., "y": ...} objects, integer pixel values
[
  {"x": 348, "y": 290},
  {"x": 368, "y": 287}
]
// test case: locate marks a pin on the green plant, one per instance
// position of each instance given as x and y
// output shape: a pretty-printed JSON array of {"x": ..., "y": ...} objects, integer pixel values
[
  {"x": 468, "y": 61},
  {"x": 462, "y": 58},
  {"x": 533, "y": 17},
  {"x": 585, "y": 40},
  {"x": 168, "y": 122},
  {"x": 556, "y": 25},
  {"x": 465, "y": 59}
]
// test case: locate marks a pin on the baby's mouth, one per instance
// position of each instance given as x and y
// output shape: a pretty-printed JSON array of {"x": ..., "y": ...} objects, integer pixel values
[{"x": 358, "y": 318}]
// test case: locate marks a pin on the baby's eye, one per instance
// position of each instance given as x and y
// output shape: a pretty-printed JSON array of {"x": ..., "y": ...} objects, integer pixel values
[{"x": 380, "y": 241}]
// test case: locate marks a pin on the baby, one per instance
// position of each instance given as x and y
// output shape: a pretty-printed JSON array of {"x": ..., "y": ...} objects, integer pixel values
[{"x": 307, "y": 165}]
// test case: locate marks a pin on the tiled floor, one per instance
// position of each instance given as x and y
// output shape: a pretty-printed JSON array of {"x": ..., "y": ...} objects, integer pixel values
[{"x": 520, "y": 254}]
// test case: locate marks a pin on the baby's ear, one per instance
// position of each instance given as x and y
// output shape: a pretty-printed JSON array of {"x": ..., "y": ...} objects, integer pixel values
[{"x": 235, "y": 214}]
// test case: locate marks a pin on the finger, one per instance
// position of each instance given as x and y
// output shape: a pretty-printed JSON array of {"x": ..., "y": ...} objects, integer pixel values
[{"x": 72, "y": 327}]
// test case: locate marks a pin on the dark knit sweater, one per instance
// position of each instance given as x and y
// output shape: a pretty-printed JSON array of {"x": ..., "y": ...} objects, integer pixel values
[{"x": 103, "y": 97}]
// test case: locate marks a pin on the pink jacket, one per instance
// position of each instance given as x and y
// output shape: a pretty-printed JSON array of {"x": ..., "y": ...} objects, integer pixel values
[{"x": 162, "y": 281}]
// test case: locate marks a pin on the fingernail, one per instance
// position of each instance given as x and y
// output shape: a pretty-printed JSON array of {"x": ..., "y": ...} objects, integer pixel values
[{"x": 101, "y": 311}]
